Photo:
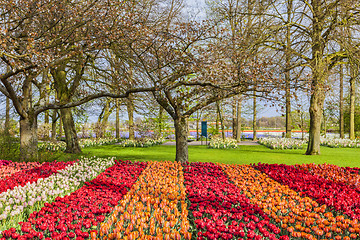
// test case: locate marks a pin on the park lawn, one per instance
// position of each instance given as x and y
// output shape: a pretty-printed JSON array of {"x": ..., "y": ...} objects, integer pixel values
[{"x": 242, "y": 155}]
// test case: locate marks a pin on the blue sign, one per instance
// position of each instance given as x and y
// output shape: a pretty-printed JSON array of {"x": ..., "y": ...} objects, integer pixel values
[{"x": 204, "y": 128}]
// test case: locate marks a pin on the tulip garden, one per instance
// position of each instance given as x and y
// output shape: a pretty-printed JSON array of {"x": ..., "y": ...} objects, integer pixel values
[{"x": 104, "y": 198}]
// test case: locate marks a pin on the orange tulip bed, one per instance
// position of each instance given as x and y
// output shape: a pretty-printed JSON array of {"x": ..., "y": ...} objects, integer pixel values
[{"x": 168, "y": 200}]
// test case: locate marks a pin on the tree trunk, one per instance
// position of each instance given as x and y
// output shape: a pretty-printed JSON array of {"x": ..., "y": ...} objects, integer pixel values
[
  {"x": 181, "y": 140},
  {"x": 341, "y": 120},
  {"x": 64, "y": 95},
  {"x": 352, "y": 105},
  {"x": 287, "y": 72},
  {"x": 302, "y": 125},
  {"x": 161, "y": 113},
  {"x": 130, "y": 110},
  {"x": 72, "y": 142},
  {"x": 238, "y": 119},
  {"x": 315, "y": 110},
  {"x": 254, "y": 117},
  {"x": 117, "y": 122},
  {"x": 105, "y": 120},
  {"x": 60, "y": 127},
  {"x": 54, "y": 118},
  {"x": 324, "y": 122},
  {"x": 217, "y": 124},
  {"x": 219, "y": 110},
  {"x": 28, "y": 138},
  {"x": 319, "y": 66},
  {"x": 197, "y": 125},
  {"x": 234, "y": 118},
  {"x": 7, "y": 116},
  {"x": 46, "y": 120}
]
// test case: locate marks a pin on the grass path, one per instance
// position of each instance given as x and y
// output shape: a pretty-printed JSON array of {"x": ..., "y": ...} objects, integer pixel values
[{"x": 242, "y": 155}]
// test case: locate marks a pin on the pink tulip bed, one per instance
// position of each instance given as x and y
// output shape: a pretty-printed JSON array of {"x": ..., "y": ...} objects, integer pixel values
[{"x": 104, "y": 198}]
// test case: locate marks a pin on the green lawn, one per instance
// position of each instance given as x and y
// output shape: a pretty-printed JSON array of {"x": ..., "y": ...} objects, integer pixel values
[{"x": 242, "y": 155}]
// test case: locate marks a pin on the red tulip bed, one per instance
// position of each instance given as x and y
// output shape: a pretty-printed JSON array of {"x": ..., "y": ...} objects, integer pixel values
[
  {"x": 8, "y": 168},
  {"x": 31, "y": 175},
  {"x": 112, "y": 199}
]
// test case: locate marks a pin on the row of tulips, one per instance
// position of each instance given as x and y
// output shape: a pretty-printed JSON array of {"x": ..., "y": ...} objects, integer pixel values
[
  {"x": 337, "y": 195},
  {"x": 333, "y": 173},
  {"x": 142, "y": 143},
  {"x": 61, "y": 146},
  {"x": 23, "y": 177},
  {"x": 17, "y": 204},
  {"x": 220, "y": 143},
  {"x": 84, "y": 143},
  {"x": 282, "y": 143},
  {"x": 340, "y": 143},
  {"x": 77, "y": 215},
  {"x": 4, "y": 162},
  {"x": 299, "y": 216},
  {"x": 155, "y": 208},
  {"x": 219, "y": 210},
  {"x": 14, "y": 167}
]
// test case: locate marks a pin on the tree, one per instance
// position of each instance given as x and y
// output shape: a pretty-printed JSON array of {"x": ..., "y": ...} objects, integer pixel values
[
  {"x": 103, "y": 118},
  {"x": 254, "y": 125},
  {"x": 354, "y": 73},
  {"x": 316, "y": 26},
  {"x": 43, "y": 34},
  {"x": 195, "y": 72},
  {"x": 288, "y": 56},
  {"x": 341, "y": 102}
]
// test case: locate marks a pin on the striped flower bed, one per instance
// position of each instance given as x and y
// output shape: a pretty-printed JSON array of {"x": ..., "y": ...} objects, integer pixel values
[
  {"x": 9, "y": 168},
  {"x": 106, "y": 199}
]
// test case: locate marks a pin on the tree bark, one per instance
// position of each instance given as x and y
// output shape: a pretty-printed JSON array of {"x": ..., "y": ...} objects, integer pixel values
[
  {"x": 161, "y": 113},
  {"x": 287, "y": 73},
  {"x": 219, "y": 110},
  {"x": 46, "y": 120},
  {"x": 64, "y": 94},
  {"x": 130, "y": 110},
  {"x": 254, "y": 117},
  {"x": 302, "y": 125},
  {"x": 28, "y": 138},
  {"x": 234, "y": 118},
  {"x": 54, "y": 119},
  {"x": 103, "y": 119},
  {"x": 72, "y": 142},
  {"x": 7, "y": 116},
  {"x": 341, "y": 120},
  {"x": 60, "y": 127},
  {"x": 28, "y": 124},
  {"x": 117, "y": 121},
  {"x": 238, "y": 119},
  {"x": 319, "y": 75},
  {"x": 352, "y": 104},
  {"x": 315, "y": 111},
  {"x": 181, "y": 140},
  {"x": 324, "y": 123},
  {"x": 197, "y": 125}
]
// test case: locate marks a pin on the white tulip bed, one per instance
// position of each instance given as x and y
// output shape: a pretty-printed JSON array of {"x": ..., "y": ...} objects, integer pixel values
[
  {"x": 282, "y": 143},
  {"x": 340, "y": 143}
]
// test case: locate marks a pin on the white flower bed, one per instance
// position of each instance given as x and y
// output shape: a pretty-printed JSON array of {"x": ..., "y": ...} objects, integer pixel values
[
  {"x": 282, "y": 143},
  {"x": 17, "y": 204},
  {"x": 61, "y": 146},
  {"x": 220, "y": 143},
  {"x": 142, "y": 143},
  {"x": 340, "y": 143}
]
